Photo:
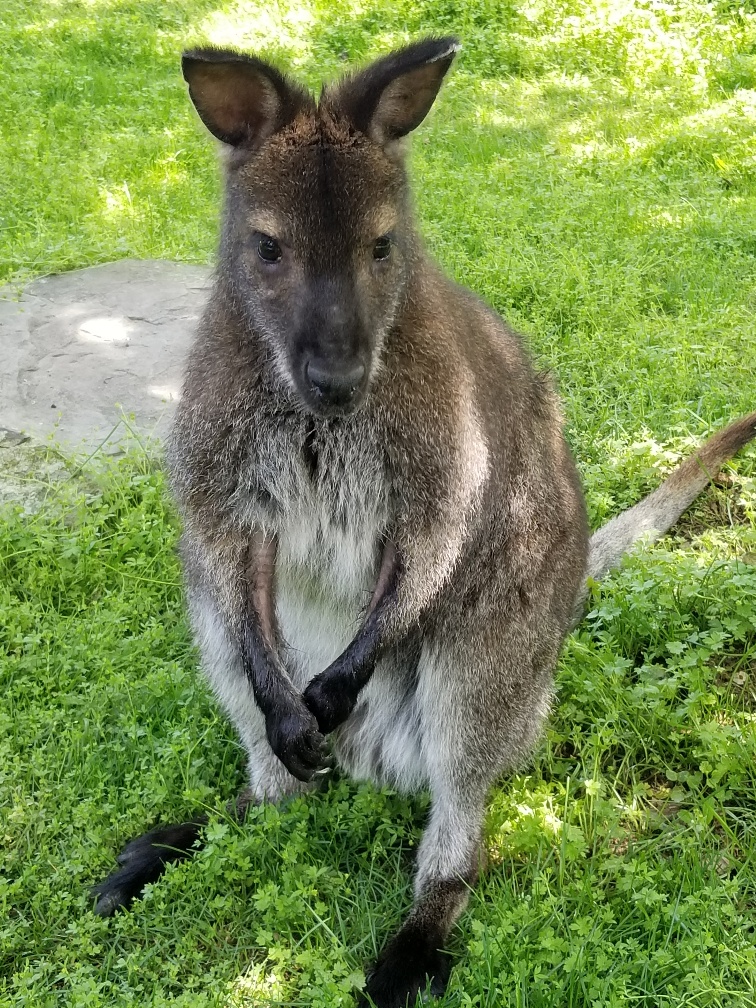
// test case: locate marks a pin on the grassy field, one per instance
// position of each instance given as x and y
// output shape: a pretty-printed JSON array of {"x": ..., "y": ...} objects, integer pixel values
[{"x": 591, "y": 170}]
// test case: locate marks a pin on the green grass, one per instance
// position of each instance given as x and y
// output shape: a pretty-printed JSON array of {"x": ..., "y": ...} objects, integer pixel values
[
  {"x": 622, "y": 862},
  {"x": 591, "y": 170}
]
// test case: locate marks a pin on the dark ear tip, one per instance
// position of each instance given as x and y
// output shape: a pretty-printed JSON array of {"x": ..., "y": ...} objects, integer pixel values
[
  {"x": 211, "y": 54},
  {"x": 214, "y": 54},
  {"x": 434, "y": 49}
]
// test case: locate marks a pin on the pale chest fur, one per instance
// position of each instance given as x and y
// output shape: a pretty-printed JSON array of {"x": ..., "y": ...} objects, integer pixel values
[{"x": 329, "y": 510}]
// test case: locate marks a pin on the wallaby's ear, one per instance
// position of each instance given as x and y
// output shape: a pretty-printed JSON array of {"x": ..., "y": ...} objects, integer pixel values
[
  {"x": 240, "y": 99},
  {"x": 392, "y": 96}
]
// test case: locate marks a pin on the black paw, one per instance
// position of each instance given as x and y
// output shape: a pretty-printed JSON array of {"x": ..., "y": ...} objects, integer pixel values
[
  {"x": 411, "y": 964},
  {"x": 295, "y": 739},
  {"x": 143, "y": 861},
  {"x": 330, "y": 700}
]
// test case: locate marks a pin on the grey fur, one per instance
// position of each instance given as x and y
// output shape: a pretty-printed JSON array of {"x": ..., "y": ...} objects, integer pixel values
[{"x": 452, "y": 452}]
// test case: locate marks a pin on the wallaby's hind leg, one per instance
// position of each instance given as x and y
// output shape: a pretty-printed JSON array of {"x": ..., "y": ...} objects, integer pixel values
[
  {"x": 449, "y": 860},
  {"x": 465, "y": 750},
  {"x": 143, "y": 861},
  {"x": 449, "y": 857}
]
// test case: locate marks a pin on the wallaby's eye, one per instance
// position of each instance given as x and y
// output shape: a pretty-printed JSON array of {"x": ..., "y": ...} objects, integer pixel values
[
  {"x": 268, "y": 249},
  {"x": 382, "y": 247}
]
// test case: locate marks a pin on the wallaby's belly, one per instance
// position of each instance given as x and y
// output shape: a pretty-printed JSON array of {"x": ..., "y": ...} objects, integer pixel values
[{"x": 325, "y": 575}]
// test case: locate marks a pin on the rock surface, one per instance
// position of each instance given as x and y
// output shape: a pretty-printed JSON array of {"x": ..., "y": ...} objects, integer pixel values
[{"x": 81, "y": 351}]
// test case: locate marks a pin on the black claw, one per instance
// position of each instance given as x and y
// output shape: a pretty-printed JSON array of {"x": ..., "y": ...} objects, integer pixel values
[
  {"x": 305, "y": 761},
  {"x": 301, "y": 772}
]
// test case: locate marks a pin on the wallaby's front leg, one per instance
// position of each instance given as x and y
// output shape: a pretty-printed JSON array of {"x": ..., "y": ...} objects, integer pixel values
[
  {"x": 291, "y": 728},
  {"x": 331, "y": 696}
]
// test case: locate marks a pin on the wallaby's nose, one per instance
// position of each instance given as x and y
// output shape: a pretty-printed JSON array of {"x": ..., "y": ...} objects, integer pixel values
[{"x": 335, "y": 385}]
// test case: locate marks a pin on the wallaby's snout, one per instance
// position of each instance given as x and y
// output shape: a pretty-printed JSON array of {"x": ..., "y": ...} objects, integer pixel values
[
  {"x": 334, "y": 349},
  {"x": 335, "y": 387}
]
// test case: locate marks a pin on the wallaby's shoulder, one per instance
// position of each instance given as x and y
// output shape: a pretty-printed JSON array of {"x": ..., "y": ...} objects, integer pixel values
[{"x": 455, "y": 358}]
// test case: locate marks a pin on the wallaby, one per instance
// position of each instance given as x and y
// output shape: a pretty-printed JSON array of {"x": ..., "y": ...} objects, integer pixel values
[{"x": 385, "y": 538}]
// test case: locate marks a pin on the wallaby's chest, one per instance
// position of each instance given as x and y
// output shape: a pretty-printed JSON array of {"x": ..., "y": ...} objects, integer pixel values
[
  {"x": 329, "y": 496},
  {"x": 325, "y": 573}
]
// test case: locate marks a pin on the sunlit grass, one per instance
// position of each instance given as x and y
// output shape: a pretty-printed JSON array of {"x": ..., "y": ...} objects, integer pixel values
[
  {"x": 621, "y": 862},
  {"x": 591, "y": 171},
  {"x": 252, "y": 26}
]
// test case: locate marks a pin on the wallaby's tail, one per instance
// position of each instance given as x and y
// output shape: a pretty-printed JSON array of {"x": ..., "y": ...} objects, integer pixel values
[{"x": 656, "y": 513}]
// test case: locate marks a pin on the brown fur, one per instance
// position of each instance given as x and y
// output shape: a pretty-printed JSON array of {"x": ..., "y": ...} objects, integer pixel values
[
  {"x": 372, "y": 477},
  {"x": 660, "y": 510}
]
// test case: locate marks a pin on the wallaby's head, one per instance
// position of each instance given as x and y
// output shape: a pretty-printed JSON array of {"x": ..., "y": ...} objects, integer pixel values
[{"x": 317, "y": 240}]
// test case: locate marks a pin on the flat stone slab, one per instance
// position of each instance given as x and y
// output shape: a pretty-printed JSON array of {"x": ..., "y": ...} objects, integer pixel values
[{"x": 82, "y": 350}]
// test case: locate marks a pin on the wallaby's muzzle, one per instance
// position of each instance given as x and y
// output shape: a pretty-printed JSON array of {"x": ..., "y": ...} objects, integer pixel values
[
  {"x": 339, "y": 388},
  {"x": 331, "y": 351}
]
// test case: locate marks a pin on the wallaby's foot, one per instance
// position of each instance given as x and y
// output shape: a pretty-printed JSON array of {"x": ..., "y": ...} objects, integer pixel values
[
  {"x": 407, "y": 964},
  {"x": 143, "y": 861}
]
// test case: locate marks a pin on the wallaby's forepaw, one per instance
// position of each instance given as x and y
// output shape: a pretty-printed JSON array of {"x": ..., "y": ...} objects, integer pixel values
[
  {"x": 409, "y": 965},
  {"x": 295, "y": 739},
  {"x": 143, "y": 861},
  {"x": 329, "y": 700}
]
